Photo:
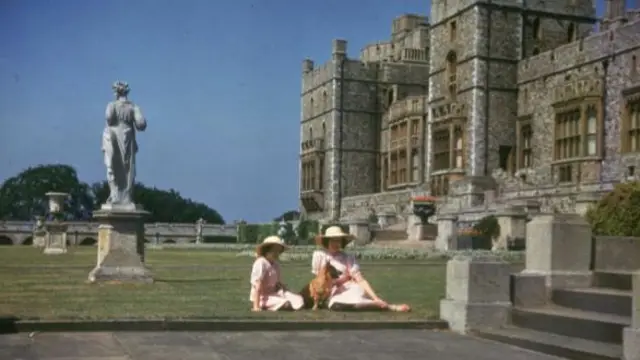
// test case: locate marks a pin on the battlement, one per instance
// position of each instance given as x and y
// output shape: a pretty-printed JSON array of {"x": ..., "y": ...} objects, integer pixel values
[
  {"x": 590, "y": 49},
  {"x": 406, "y": 23}
]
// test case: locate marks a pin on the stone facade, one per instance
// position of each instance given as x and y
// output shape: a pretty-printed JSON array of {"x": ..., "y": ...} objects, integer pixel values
[{"x": 481, "y": 90}]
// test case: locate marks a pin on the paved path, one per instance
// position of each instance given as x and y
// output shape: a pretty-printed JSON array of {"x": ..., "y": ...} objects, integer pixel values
[{"x": 321, "y": 345}]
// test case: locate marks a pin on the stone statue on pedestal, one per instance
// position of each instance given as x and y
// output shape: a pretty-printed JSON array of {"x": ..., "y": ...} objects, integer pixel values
[
  {"x": 119, "y": 145},
  {"x": 121, "y": 229}
]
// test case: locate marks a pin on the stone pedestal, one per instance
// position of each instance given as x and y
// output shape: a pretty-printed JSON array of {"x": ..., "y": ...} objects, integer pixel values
[
  {"x": 386, "y": 219},
  {"x": 631, "y": 334},
  {"x": 558, "y": 248},
  {"x": 360, "y": 230},
  {"x": 513, "y": 222},
  {"x": 55, "y": 240},
  {"x": 39, "y": 238},
  {"x": 477, "y": 293},
  {"x": 447, "y": 230},
  {"x": 120, "y": 247}
]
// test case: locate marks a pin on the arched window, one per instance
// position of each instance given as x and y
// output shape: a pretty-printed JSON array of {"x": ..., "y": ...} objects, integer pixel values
[
  {"x": 537, "y": 29},
  {"x": 452, "y": 70},
  {"x": 571, "y": 33},
  {"x": 311, "y": 107},
  {"x": 390, "y": 97},
  {"x": 324, "y": 129},
  {"x": 325, "y": 100},
  {"x": 310, "y": 133}
]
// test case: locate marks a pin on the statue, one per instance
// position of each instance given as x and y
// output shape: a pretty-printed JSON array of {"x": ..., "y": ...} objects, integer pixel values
[
  {"x": 119, "y": 145},
  {"x": 199, "y": 228}
]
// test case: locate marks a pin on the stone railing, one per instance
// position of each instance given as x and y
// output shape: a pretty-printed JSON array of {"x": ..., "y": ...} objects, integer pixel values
[
  {"x": 410, "y": 106},
  {"x": 417, "y": 55},
  {"x": 312, "y": 145}
]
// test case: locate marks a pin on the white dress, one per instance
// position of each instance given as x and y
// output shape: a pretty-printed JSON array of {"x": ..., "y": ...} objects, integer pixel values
[{"x": 350, "y": 293}]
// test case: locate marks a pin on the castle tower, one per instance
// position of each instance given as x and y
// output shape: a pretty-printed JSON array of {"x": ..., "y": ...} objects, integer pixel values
[
  {"x": 473, "y": 85},
  {"x": 614, "y": 15},
  {"x": 338, "y": 134}
]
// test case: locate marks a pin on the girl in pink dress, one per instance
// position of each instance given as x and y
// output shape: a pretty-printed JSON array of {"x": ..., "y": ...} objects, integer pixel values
[
  {"x": 351, "y": 290},
  {"x": 267, "y": 290}
]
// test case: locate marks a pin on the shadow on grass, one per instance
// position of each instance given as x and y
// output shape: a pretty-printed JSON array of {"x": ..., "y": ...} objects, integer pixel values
[{"x": 214, "y": 280}]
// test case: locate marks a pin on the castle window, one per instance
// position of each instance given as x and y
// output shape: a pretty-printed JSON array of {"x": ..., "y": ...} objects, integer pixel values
[
  {"x": 441, "y": 150},
  {"x": 525, "y": 137},
  {"x": 324, "y": 129},
  {"x": 634, "y": 67},
  {"x": 325, "y": 100},
  {"x": 390, "y": 97},
  {"x": 458, "y": 147},
  {"x": 415, "y": 165},
  {"x": 310, "y": 133},
  {"x": 439, "y": 185},
  {"x": 452, "y": 72},
  {"x": 402, "y": 166},
  {"x": 537, "y": 29},
  {"x": 567, "y": 135},
  {"x": 311, "y": 107},
  {"x": 592, "y": 130},
  {"x": 321, "y": 174},
  {"x": 571, "y": 33},
  {"x": 632, "y": 125},
  {"x": 453, "y": 29},
  {"x": 308, "y": 174}
]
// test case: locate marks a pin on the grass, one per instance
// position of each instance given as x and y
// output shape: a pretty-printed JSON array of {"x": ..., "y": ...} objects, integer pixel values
[{"x": 190, "y": 284}]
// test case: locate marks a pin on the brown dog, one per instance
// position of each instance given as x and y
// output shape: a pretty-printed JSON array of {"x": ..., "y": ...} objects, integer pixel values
[{"x": 320, "y": 286}]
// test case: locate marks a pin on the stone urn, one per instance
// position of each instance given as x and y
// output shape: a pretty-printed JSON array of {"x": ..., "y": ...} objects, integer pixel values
[
  {"x": 423, "y": 207},
  {"x": 56, "y": 202}
]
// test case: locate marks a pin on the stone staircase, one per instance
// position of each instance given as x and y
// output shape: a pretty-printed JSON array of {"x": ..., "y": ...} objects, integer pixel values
[{"x": 576, "y": 323}]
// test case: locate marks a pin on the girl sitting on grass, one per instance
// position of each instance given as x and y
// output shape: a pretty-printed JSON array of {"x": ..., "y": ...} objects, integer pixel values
[
  {"x": 267, "y": 290},
  {"x": 351, "y": 290}
]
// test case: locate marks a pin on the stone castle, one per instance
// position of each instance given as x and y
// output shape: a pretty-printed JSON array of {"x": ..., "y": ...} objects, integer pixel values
[{"x": 487, "y": 103}]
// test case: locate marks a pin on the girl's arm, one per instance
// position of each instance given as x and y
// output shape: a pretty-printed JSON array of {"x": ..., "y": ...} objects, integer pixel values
[
  {"x": 356, "y": 275},
  {"x": 258, "y": 298},
  {"x": 257, "y": 279}
]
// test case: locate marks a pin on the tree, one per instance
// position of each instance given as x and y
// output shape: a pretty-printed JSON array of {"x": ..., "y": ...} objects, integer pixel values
[
  {"x": 290, "y": 215},
  {"x": 165, "y": 206},
  {"x": 23, "y": 196}
]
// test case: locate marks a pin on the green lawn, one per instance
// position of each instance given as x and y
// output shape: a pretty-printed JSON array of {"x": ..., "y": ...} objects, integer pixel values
[{"x": 189, "y": 284}]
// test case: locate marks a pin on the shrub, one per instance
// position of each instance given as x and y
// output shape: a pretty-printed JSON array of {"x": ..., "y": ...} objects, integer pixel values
[
  {"x": 618, "y": 212},
  {"x": 488, "y": 227}
]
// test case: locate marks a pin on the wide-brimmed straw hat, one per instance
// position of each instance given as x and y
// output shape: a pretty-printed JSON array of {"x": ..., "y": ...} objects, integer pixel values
[
  {"x": 268, "y": 242},
  {"x": 333, "y": 232}
]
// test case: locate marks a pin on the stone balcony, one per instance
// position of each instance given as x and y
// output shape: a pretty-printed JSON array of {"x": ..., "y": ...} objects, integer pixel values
[
  {"x": 410, "y": 106},
  {"x": 448, "y": 111},
  {"x": 312, "y": 145}
]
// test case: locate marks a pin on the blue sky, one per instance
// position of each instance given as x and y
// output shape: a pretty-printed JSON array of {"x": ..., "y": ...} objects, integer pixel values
[{"x": 218, "y": 80}]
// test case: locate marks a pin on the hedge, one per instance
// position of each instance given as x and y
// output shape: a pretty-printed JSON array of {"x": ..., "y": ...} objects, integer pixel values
[
  {"x": 618, "y": 212},
  {"x": 255, "y": 233}
]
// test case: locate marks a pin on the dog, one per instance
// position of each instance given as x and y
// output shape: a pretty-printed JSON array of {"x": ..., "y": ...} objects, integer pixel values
[{"x": 319, "y": 289}]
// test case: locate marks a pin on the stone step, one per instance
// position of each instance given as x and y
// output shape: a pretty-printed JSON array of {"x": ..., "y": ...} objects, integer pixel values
[
  {"x": 602, "y": 300},
  {"x": 389, "y": 235},
  {"x": 614, "y": 279},
  {"x": 572, "y": 322},
  {"x": 553, "y": 344}
]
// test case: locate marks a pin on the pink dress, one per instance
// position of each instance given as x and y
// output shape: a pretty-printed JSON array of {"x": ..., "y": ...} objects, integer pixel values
[
  {"x": 274, "y": 298},
  {"x": 350, "y": 293}
]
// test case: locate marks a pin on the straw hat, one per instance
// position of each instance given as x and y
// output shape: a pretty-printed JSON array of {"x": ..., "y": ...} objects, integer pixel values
[
  {"x": 333, "y": 232},
  {"x": 268, "y": 242}
]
